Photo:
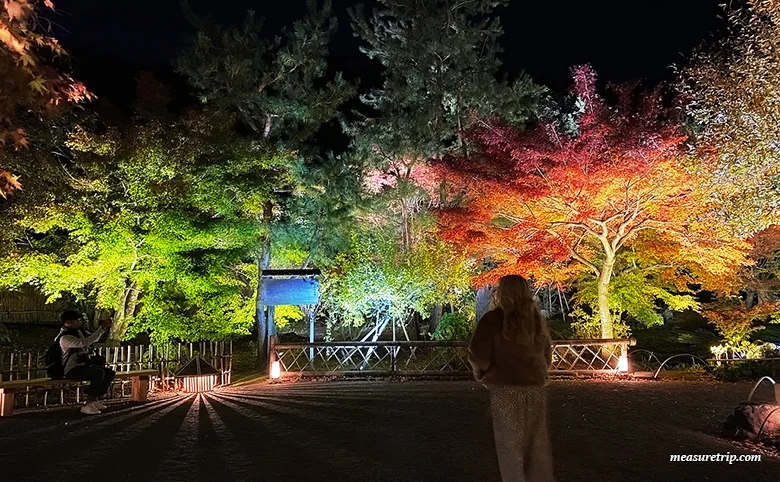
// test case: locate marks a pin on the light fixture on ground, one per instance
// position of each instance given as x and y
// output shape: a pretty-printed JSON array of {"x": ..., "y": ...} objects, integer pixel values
[
  {"x": 276, "y": 370},
  {"x": 623, "y": 363},
  {"x": 198, "y": 376}
]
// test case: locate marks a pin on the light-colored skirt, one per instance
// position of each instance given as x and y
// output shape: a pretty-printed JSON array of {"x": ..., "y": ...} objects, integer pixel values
[{"x": 520, "y": 430}]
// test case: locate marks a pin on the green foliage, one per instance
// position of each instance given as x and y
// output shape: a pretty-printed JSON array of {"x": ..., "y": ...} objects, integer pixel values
[
  {"x": 585, "y": 325},
  {"x": 154, "y": 229},
  {"x": 376, "y": 281},
  {"x": 441, "y": 64},
  {"x": 668, "y": 340},
  {"x": 453, "y": 327},
  {"x": 319, "y": 217},
  {"x": 736, "y": 322},
  {"x": 278, "y": 88},
  {"x": 744, "y": 349},
  {"x": 588, "y": 325},
  {"x": 287, "y": 316},
  {"x": 163, "y": 222},
  {"x": 741, "y": 371},
  {"x": 636, "y": 288},
  {"x": 282, "y": 91}
]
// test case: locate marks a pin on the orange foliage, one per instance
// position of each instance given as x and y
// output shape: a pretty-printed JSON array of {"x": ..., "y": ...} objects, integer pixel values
[
  {"x": 28, "y": 81},
  {"x": 738, "y": 322},
  {"x": 762, "y": 278},
  {"x": 553, "y": 206}
]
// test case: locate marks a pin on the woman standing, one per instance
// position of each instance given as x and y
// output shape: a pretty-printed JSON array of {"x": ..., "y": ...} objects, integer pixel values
[{"x": 510, "y": 353}]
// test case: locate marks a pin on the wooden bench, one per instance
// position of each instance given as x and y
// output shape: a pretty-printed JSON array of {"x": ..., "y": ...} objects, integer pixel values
[{"x": 139, "y": 380}]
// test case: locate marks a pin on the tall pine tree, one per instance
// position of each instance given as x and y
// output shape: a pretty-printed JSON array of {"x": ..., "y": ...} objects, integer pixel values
[
  {"x": 279, "y": 89},
  {"x": 441, "y": 70}
]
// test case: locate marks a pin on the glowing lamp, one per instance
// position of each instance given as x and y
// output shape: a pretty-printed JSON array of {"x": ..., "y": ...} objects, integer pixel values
[
  {"x": 276, "y": 370},
  {"x": 198, "y": 376},
  {"x": 623, "y": 363}
]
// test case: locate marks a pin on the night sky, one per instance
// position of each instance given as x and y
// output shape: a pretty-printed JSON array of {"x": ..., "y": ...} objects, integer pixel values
[{"x": 111, "y": 41}]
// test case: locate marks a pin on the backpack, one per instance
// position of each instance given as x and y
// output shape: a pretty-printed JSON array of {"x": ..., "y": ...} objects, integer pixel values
[
  {"x": 53, "y": 361},
  {"x": 55, "y": 368}
]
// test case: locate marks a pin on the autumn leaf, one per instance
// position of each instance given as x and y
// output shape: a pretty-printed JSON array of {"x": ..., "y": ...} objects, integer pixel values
[
  {"x": 12, "y": 41},
  {"x": 20, "y": 138},
  {"x": 14, "y": 9},
  {"x": 732, "y": 99},
  {"x": 8, "y": 183},
  {"x": 38, "y": 85}
]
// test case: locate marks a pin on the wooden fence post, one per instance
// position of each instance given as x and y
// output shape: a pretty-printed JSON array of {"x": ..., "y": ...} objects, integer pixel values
[
  {"x": 311, "y": 332},
  {"x": 6, "y": 402},
  {"x": 139, "y": 388}
]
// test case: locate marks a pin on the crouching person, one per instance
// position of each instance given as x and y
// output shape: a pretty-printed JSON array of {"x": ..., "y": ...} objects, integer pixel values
[{"x": 79, "y": 365}]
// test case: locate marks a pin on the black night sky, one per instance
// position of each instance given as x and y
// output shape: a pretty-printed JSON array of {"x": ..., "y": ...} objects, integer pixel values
[{"x": 624, "y": 40}]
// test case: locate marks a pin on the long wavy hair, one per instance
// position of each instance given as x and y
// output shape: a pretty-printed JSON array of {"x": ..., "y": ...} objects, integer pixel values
[{"x": 523, "y": 322}]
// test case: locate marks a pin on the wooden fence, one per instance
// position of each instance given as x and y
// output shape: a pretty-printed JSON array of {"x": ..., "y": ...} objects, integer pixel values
[
  {"x": 28, "y": 306},
  {"x": 167, "y": 359},
  {"x": 435, "y": 358}
]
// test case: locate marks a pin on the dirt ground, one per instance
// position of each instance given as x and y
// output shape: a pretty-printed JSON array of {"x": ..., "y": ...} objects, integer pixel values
[{"x": 379, "y": 431}]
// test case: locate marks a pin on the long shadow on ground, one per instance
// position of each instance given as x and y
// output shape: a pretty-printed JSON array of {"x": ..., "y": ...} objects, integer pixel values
[{"x": 378, "y": 431}]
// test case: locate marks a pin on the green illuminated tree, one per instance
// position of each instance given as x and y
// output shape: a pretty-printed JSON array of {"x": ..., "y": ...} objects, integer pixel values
[
  {"x": 280, "y": 90},
  {"x": 441, "y": 65},
  {"x": 376, "y": 285},
  {"x": 154, "y": 225}
]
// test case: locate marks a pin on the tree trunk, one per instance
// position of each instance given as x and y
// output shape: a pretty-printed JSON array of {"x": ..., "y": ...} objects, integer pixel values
[
  {"x": 415, "y": 327},
  {"x": 436, "y": 312},
  {"x": 484, "y": 296},
  {"x": 95, "y": 323},
  {"x": 751, "y": 299},
  {"x": 406, "y": 237},
  {"x": 262, "y": 260},
  {"x": 123, "y": 315},
  {"x": 603, "y": 298}
]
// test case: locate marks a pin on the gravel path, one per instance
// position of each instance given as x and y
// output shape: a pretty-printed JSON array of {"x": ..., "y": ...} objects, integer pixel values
[{"x": 378, "y": 431}]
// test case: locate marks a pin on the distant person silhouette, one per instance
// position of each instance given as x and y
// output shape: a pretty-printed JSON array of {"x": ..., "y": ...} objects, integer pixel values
[
  {"x": 79, "y": 365},
  {"x": 510, "y": 354}
]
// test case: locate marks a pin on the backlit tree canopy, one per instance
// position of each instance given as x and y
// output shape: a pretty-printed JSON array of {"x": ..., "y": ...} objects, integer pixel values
[
  {"x": 554, "y": 206},
  {"x": 733, "y": 97},
  {"x": 376, "y": 283}
]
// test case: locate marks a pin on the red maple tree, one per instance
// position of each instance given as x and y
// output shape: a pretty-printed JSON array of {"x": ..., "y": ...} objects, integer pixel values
[
  {"x": 30, "y": 80},
  {"x": 552, "y": 205}
]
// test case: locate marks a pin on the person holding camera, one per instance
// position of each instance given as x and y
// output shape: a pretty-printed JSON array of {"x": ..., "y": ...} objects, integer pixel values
[{"x": 79, "y": 365}]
